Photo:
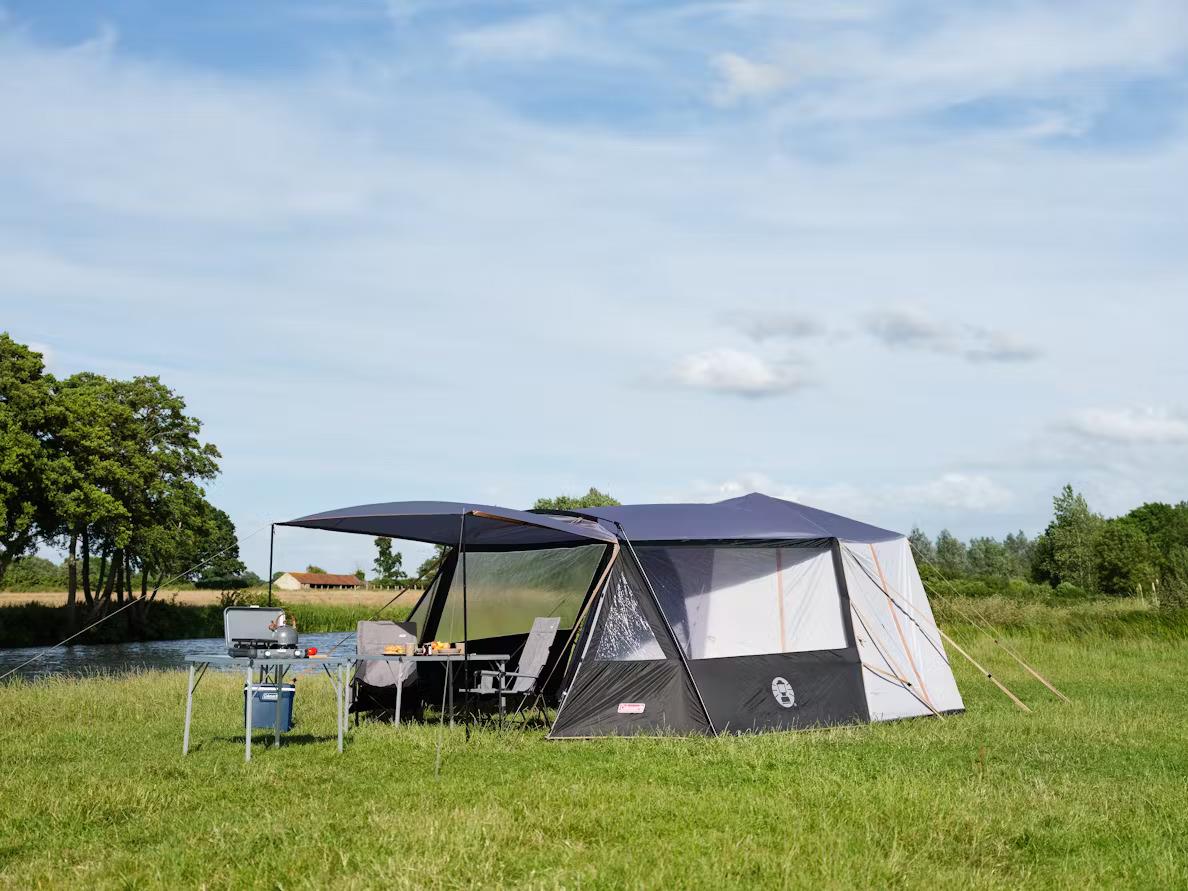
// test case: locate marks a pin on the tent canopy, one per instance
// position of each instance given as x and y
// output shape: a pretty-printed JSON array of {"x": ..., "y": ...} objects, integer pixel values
[
  {"x": 441, "y": 522},
  {"x": 754, "y": 516}
]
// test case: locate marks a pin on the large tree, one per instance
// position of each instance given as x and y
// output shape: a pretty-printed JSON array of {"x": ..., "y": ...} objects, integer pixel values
[
  {"x": 25, "y": 450},
  {"x": 1065, "y": 552},
  {"x": 389, "y": 564},
  {"x": 1124, "y": 561},
  {"x": 126, "y": 486}
]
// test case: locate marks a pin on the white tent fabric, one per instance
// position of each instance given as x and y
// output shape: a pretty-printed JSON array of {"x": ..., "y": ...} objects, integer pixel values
[{"x": 906, "y": 670}]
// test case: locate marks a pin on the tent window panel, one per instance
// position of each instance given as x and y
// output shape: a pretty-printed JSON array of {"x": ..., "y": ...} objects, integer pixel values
[
  {"x": 732, "y": 601},
  {"x": 624, "y": 634},
  {"x": 507, "y": 590}
]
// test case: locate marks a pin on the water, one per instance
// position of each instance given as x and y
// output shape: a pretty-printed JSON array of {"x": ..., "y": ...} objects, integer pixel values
[{"x": 86, "y": 659}]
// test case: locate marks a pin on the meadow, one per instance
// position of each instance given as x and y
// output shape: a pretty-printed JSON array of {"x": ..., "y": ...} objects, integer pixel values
[{"x": 1091, "y": 794}]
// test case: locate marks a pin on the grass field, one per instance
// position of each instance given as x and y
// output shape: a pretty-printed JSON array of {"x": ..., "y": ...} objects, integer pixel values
[{"x": 1095, "y": 794}]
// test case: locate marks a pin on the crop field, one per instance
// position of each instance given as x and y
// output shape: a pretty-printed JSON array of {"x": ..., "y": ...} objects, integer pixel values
[
  {"x": 1092, "y": 794},
  {"x": 191, "y": 597}
]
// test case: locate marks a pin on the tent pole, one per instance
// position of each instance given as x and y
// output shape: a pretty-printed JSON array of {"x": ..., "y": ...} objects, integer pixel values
[
  {"x": 465, "y": 629},
  {"x": 271, "y": 544},
  {"x": 997, "y": 683},
  {"x": 1015, "y": 699},
  {"x": 672, "y": 634}
]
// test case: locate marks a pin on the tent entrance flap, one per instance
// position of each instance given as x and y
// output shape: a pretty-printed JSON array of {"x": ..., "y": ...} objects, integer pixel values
[{"x": 629, "y": 678}]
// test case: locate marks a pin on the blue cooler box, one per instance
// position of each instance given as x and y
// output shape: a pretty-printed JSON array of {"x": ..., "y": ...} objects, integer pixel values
[{"x": 264, "y": 706}]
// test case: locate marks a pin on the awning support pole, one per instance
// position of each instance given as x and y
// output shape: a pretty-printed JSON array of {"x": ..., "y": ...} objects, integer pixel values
[{"x": 271, "y": 543}]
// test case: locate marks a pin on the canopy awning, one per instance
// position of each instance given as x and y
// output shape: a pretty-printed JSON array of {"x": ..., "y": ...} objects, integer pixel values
[
  {"x": 748, "y": 517},
  {"x": 487, "y": 527}
]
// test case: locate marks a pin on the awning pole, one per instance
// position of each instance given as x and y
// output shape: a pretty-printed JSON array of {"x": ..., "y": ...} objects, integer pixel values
[
  {"x": 465, "y": 628},
  {"x": 271, "y": 543}
]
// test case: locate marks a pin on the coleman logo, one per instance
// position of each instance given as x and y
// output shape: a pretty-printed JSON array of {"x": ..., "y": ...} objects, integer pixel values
[
  {"x": 631, "y": 708},
  {"x": 782, "y": 691}
]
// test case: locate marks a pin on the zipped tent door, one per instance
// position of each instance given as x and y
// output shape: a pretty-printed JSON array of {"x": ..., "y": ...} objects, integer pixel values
[{"x": 630, "y": 678}]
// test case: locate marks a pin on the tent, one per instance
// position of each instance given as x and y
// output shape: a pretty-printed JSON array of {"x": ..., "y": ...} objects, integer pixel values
[{"x": 749, "y": 614}]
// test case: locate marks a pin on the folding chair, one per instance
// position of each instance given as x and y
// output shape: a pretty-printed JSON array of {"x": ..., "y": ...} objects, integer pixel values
[
  {"x": 375, "y": 685},
  {"x": 522, "y": 681}
]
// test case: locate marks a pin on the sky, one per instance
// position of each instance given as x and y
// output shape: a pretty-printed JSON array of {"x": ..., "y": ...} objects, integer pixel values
[{"x": 920, "y": 263}]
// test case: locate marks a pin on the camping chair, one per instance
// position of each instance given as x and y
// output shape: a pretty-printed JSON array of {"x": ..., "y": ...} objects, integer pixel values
[
  {"x": 522, "y": 681},
  {"x": 378, "y": 686}
]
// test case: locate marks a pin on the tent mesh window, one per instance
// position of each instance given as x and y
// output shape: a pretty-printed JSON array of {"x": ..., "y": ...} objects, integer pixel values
[
  {"x": 624, "y": 632},
  {"x": 507, "y": 590},
  {"x": 745, "y": 601}
]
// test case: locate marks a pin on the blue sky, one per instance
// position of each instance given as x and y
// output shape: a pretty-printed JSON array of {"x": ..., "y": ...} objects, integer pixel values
[{"x": 921, "y": 263}]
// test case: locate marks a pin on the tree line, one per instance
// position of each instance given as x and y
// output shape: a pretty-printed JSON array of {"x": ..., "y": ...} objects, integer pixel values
[
  {"x": 1080, "y": 553},
  {"x": 111, "y": 471}
]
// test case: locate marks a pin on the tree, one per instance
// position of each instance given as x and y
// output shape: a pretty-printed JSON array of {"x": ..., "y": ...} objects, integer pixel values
[
  {"x": 25, "y": 450},
  {"x": 988, "y": 558},
  {"x": 950, "y": 554},
  {"x": 593, "y": 498},
  {"x": 1020, "y": 550},
  {"x": 1065, "y": 552},
  {"x": 389, "y": 564},
  {"x": 1124, "y": 560},
  {"x": 360, "y": 575},
  {"x": 922, "y": 545},
  {"x": 315, "y": 569},
  {"x": 432, "y": 563},
  {"x": 124, "y": 485}
]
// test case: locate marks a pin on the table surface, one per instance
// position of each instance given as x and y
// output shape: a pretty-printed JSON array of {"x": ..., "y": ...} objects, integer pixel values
[
  {"x": 452, "y": 657},
  {"x": 224, "y": 659}
]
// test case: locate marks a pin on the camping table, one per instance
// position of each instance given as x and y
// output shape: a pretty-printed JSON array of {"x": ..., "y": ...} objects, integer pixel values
[
  {"x": 199, "y": 664},
  {"x": 500, "y": 659}
]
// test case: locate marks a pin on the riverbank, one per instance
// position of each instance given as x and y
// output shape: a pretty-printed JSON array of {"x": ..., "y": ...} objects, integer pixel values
[
  {"x": 38, "y": 624},
  {"x": 1071, "y": 796}
]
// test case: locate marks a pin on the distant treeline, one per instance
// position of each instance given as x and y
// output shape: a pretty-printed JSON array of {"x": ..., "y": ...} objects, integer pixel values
[{"x": 1143, "y": 553}]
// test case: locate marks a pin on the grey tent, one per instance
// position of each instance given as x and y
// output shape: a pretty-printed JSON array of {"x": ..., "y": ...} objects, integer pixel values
[{"x": 749, "y": 614}]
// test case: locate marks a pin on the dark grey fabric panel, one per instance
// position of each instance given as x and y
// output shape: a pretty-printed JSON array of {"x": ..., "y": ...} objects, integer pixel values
[
  {"x": 782, "y": 691},
  {"x": 592, "y": 707},
  {"x": 751, "y": 516},
  {"x": 440, "y": 522}
]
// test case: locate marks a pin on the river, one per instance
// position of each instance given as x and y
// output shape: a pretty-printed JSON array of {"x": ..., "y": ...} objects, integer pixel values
[{"x": 85, "y": 659}]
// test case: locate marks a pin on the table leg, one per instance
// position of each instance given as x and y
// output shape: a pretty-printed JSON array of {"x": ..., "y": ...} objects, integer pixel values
[
  {"x": 189, "y": 709},
  {"x": 280, "y": 674},
  {"x": 341, "y": 704},
  {"x": 247, "y": 721},
  {"x": 450, "y": 687},
  {"x": 399, "y": 693}
]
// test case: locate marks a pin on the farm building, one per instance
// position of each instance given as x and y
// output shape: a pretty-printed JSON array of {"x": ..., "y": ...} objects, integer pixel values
[{"x": 295, "y": 581}]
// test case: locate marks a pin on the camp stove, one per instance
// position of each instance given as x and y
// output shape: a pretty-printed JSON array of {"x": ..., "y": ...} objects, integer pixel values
[{"x": 246, "y": 632}]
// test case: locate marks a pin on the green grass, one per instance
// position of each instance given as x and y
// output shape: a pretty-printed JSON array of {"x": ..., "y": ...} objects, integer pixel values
[{"x": 96, "y": 794}]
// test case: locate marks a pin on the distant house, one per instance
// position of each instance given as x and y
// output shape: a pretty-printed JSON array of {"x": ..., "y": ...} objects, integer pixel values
[{"x": 295, "y": 581}]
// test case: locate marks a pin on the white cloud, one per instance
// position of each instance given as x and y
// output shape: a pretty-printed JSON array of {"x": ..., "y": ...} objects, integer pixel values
[
  {"x": 741, "y": 79},
  {"x": 739, "y": 373},
  {"x": 1144, "y": 425},
  {"x": 914, "y": 329},
  {"x": 1034, "y": 51},
  {"x": 963, "y": 491}
]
